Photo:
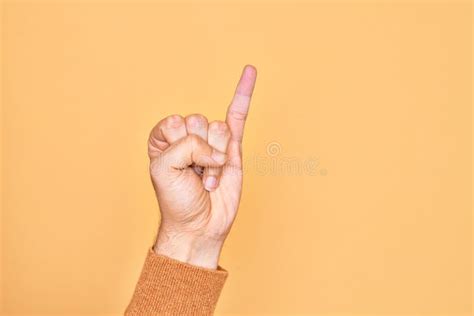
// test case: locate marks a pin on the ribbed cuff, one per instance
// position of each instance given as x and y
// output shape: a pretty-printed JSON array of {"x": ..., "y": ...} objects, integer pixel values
[{"x": 170, "y": 287}]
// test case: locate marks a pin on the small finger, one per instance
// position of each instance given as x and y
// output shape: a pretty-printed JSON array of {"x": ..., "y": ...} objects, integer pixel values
[{"x": 239, "y": 107}]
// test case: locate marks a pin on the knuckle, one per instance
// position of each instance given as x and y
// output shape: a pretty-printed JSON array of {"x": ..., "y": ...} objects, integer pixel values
[
  {"x": 174, "y": 121},
  {"x": 237, "y": 115},
  {"x": 219, "y": 127},
  {"x": 196, "y": 120}
]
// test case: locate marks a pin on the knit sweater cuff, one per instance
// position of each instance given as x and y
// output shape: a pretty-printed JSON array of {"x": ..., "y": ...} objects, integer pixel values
[{"x": 170, "y": 287}]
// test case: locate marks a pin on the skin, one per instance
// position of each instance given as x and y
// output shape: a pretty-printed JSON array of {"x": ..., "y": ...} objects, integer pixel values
[{"x": 196, "y": 170}]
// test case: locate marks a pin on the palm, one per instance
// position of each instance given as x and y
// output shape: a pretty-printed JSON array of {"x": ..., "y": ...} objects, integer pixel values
[
  {"x": 187, "y": 203},
  {"x": 225, "y": 201}
]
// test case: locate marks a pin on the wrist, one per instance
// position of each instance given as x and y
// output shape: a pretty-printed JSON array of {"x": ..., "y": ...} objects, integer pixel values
[{"x": 190, "y": 248}]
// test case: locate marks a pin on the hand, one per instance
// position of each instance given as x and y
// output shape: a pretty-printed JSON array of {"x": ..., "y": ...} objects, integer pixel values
[{"x": 196, "y": 170}]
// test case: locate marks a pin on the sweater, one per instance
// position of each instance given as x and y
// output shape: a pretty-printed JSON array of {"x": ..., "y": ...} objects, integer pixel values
[{"x": 170, "y": 287}]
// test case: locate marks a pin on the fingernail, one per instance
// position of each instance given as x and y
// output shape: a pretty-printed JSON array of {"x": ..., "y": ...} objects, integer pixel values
[
  {"x": 218, "y": 157},
  {"x": 211, "y": 183}
]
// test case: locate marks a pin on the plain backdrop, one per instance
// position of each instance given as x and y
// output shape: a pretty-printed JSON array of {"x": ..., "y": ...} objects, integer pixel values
[{"x": 357, "y": 196}]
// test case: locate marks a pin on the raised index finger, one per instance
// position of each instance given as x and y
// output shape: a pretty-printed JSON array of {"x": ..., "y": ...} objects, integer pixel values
[{"x": 239, "y": 107}]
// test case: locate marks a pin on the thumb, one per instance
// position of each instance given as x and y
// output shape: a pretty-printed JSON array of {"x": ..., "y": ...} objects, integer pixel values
[{"x": 189, "y": 150}]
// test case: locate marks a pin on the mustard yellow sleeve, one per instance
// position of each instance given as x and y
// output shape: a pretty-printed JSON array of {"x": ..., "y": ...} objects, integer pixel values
[{"x": 170, "y": 287}]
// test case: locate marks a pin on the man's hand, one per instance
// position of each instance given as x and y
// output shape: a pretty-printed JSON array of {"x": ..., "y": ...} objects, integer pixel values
[{"x": 196, "y": 169}]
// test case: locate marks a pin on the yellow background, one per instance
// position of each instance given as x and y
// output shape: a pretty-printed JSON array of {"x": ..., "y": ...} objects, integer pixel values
[{"x": 376, "y": 95}]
